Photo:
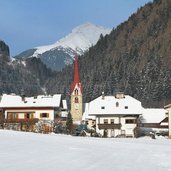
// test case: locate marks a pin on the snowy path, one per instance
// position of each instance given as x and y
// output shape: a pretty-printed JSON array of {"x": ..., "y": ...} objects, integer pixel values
[{"x": 21, "y": 151}]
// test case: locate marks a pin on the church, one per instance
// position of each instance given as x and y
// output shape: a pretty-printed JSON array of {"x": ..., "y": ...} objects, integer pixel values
[
  {"x": 76, "y": 96},
  {"x": 113, "y": 116}
]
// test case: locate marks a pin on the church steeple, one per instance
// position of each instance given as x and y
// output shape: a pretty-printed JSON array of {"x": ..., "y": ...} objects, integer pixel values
[
  {"x": 76, "y": 75},
  {"x": 76, "y": 95}
]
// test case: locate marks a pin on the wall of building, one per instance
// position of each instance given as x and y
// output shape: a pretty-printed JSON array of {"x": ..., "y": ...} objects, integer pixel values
[
  {"x": 126, "y": 128},
  {"x": 76, "y": 108},
  {"x": 50, "y": 115},
  {"x": 169, "y": 117},
  {"x": 34, "y": 113},
  {"x": 129, "y": 127}
]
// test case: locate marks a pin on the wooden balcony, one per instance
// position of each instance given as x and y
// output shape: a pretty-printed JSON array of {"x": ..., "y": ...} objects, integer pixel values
[
  {"x": 31, "y": 120},
  {"x": 109, "y": 126}
]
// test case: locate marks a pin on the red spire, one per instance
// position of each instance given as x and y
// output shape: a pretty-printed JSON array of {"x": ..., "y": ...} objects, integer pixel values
[{"x": 76, "y": 75}]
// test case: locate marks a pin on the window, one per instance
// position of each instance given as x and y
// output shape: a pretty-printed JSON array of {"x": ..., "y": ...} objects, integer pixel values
[
  {"x": 9, "y": 115},
  {"x": 44, "y": 115},
  {"x": 130, "y": 121},
  {"x": 103, "y": 107},
  {"x": 12, "y": 115},
  {"x": 27, "y": 115},
  {"x": 126, "y": 107},
  {"x": 76, "y": 100},
  {"x": 76, "y": 91},
  {"x": 112, "y": 121},
  {"x": 117, "y": 104},
  {"x": 105, "y": 121}
]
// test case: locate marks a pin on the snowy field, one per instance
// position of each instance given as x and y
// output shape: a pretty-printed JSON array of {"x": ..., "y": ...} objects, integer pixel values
[{"x": 21, "y": 151}]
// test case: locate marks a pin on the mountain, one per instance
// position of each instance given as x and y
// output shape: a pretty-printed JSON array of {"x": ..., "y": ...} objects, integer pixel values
[
  {"x": 21, "y": 76},
  {"x": 62, "y": 53},
  {"x": 4, "y": 52},
  {"x": 134, "y": 58}
]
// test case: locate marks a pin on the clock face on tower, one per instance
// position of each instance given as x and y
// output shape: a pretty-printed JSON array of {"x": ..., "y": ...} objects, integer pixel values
[{"x": 76, "y": 106}]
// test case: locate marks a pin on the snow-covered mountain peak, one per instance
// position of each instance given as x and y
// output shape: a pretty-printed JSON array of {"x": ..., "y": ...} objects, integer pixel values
[
  {"x": 82, "y": 37},
  {"x": 89, "y": 28},
  {"x": 62, "y": 52}
]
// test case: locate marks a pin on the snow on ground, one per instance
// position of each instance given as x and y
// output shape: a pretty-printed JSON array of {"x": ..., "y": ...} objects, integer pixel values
[{"x": 20, "y": 151}]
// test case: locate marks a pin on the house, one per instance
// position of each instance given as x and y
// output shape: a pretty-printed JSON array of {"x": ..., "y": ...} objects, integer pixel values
[
  {"x": 30, "y": 113},
  {"x": 1, "y": 119},
  {"x": 154, "y": 120},
  {"x": 114, "y": 116},
  {"x": 89, "y": 120},
  {"x": 168, "y": 108}
]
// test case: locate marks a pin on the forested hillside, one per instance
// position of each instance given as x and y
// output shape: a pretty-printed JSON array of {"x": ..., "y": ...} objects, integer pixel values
[
  {"x": 21, "y": 76},
  {"x": 135, "y": 58}
]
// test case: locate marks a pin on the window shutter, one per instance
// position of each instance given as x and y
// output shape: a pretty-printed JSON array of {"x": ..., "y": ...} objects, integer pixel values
[
  {"x": 40, "y": 115},
  {"x": 9, "y": 115},
  {"x": 25, "y": 115},
  {"x": 47, "y": 115},
  {"x": 16, "y": 115},
  {"x": 32, "y": 115}
]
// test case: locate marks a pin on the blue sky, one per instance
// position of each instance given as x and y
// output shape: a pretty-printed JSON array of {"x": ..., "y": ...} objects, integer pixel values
[{"x": 26, "y": 24}]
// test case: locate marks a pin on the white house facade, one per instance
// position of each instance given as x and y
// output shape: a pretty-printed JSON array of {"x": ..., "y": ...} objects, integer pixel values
[
  {"x": 114, "y": 115},
  {"x": 27, "y": 111},
  {"x": 168, "y": 108}
]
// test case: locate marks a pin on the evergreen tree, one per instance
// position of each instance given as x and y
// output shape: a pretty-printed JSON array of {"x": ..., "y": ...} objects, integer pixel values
[{"x": 69, "y": 123}]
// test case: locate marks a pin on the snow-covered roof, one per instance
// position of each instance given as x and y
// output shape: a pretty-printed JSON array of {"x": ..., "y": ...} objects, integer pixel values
[
  {"x": 38, "y": 101},
  {"x": 153, "y": 115},
  {"x": 86, "y": 115},
  {"x": 109, "y": 105},
  {"x": 167, "y": 106}
]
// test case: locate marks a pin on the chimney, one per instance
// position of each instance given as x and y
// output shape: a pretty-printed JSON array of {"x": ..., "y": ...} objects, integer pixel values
[
  {"x": 103, "y": 95},
  {"x": 23, "y": 98},
  {"x": 119, "y": 95}
]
